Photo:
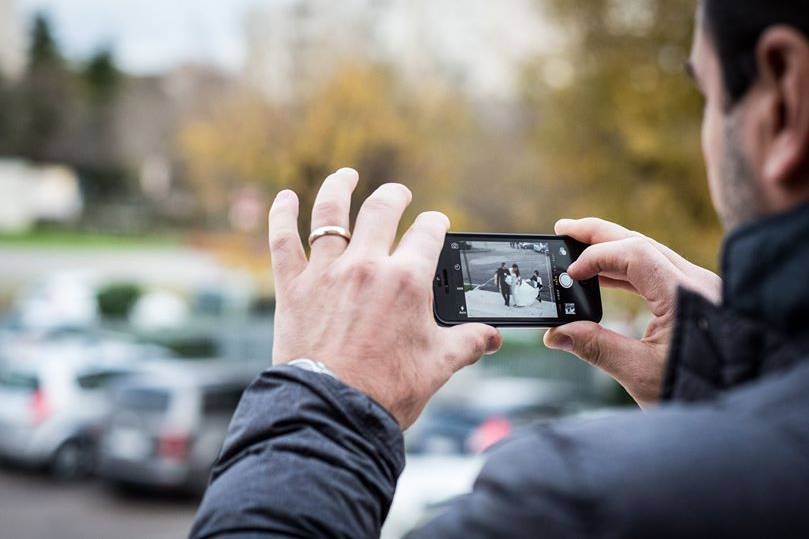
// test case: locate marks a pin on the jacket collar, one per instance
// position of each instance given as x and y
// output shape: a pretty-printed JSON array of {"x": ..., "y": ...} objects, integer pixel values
[{"x": 766, "y": 272}]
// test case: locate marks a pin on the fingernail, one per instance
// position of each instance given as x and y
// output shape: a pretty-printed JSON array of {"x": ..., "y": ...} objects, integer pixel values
[
  {"x": 346, "y": 169},
  {"x": 563, "y": 223},
  {"x": 561, "y": 342},
  {"x": 493, "y": 345}
]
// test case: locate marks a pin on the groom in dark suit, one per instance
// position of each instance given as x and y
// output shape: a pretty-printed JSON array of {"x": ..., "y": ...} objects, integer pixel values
[{"x": 505, "y": 289}]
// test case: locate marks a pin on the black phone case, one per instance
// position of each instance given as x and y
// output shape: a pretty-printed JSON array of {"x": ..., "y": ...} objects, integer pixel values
[{"x": 591, "y": 287}]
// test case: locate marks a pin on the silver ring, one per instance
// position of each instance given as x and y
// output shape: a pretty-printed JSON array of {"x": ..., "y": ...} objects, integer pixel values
[{"x": 323, "y": 231}]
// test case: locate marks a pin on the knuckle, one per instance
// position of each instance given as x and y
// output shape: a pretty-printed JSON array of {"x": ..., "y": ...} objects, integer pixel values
[
  {"x": 363, "y": 271},
  {"x": 638, "y": 245},
  {"x": 478, "y": 345},
  {"x": 590, "y": 350},
  {"x": 328, "y": 209},
  {"x": 281, "y": 241},
  {"x": 381, "y": 202},
  {"x": 407, "y": 279}
]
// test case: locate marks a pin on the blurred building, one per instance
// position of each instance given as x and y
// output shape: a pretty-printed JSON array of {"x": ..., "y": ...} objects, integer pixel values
[
  {"x": 478, "y": 46},
  {"x": 293, "y": 44},
  {"x": 32, "y": 194},
  {"x": 12, "y": 41},
  {"x": 148, "y": 114}
]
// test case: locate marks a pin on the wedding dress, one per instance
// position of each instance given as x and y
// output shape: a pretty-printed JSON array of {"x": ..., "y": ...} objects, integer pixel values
[{"x": 524, "y": 294}]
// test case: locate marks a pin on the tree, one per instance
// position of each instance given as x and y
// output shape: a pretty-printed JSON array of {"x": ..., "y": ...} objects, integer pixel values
[
  {"x": 101, "y": 77},
  {"x": 46, "y": 96},
  {"x": 44, "y": 52},
  {"x": 621, "y": 138},
  {"x": 363, "y": 117}
]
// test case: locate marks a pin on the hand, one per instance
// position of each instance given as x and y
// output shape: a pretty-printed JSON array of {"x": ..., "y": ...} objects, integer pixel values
[
  {"x": 366, "y": 313},
  {"x": 629, "y": 261}
]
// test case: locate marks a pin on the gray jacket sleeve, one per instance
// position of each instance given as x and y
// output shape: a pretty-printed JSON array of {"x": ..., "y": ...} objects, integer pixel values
[{"x": 305, "y": 456}]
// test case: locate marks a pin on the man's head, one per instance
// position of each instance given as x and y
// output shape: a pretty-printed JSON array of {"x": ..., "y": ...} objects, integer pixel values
[
  {"x": 750, "y": 59},
  {"x": 503, "y": 265}
]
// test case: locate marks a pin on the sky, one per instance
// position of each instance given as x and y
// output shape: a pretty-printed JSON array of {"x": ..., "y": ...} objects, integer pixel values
[{"x": 148, "y": 36}]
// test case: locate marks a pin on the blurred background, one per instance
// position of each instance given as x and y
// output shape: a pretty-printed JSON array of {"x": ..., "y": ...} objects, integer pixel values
[{"x": 141, "y": 143}]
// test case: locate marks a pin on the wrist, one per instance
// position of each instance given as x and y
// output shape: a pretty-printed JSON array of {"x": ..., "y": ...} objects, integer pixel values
[{"x": 312, "y": 366}]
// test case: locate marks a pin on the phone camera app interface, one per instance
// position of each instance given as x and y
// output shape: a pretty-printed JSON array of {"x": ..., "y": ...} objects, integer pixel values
[{"x": 512, "y": 279}]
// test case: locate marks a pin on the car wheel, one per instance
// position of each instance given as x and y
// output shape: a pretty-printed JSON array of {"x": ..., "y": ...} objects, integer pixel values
[{"x": 73, "y": 460}]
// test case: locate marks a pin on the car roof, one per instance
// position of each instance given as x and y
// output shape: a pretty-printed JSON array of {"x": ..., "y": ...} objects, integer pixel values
[
  {"x": 178, "y": 374},
  {"x": 65, "y": 363}
]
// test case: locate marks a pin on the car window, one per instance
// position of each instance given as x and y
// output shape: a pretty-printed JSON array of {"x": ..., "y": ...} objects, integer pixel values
[
  {"x": 18, "y": 380},
  {"x": 221, "y": 400},
  {"x": 100, "y": 379},
  {"x": 143, "y": 399}
]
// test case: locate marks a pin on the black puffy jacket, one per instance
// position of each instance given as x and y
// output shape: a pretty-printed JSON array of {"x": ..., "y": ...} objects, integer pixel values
[{"x": 726, "y": 455}]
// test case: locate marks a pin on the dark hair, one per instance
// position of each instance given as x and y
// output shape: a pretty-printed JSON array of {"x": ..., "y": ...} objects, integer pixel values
[{"x": 735, "y": 27}]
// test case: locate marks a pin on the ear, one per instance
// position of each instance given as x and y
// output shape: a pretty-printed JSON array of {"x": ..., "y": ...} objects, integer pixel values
[{"x": 783, "y": 64}]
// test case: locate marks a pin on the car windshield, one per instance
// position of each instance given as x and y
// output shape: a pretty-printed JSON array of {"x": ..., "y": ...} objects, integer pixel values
[
  {"x": 99, "y": 379},
  {"x": 221, "y": 400},
  {"x": 18, "y": 381},
  {"x": 143, "y": 399}
]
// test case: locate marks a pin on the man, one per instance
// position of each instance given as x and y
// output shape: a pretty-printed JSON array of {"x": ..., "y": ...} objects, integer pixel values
[
  {"x": 537, "y": 284},
  {"x": 723, "y": 450},
  {"x": 501, "y": 277}
]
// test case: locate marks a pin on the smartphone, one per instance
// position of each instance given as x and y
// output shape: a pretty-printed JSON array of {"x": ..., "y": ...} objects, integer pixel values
[{"x": 512, "y": 281}]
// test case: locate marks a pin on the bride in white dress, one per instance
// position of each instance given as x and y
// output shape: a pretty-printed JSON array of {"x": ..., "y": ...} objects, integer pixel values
[{"x": 523, "y": 294}]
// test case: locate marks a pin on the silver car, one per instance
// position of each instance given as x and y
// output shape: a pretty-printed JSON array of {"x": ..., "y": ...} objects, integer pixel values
[
  {"x": 166, "y": 429},
  {"x": 51, "y": 411}
]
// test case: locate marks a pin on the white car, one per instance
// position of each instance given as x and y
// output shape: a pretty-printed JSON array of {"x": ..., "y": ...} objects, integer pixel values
[
  {"x": 166, "y": 428},
  {"x": 51, "y": 410},
  {"x": 426, "y": 485}
]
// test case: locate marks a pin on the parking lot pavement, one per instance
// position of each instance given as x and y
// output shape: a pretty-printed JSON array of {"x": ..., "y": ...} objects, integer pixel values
[{"x": 33, "y": 506}]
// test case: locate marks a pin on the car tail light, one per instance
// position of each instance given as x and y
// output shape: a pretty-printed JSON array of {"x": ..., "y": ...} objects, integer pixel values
[
  {"x": 40, "y": 408},
  {"x": 173, "y": 446},
  {"x": 488, "y": 433}
]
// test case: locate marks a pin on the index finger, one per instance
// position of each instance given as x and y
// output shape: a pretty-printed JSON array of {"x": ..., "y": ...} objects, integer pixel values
[
  {"x": 423, "y": 241},
  {"x": 634, "y": 261},
  {"x": 592, "y": 230}
]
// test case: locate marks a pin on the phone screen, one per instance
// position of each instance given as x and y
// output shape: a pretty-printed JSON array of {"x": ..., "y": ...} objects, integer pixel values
[{"x": 512, "y": 280}]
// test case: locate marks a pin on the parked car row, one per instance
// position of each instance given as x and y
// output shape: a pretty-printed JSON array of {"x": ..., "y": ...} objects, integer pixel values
[
  {"x": 50, "y": 411},
  {"x": 136, "y": 419},
  {"x": 166, "y": 427},
  {"x": 484, "y": 411}
]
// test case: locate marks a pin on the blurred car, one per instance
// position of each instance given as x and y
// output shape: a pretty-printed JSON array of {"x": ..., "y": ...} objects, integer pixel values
[
  {"x": 51, "y": 409},
  {"x": 487, "y": 411},
  {"x": 445, "y": 446},
  {"x": 70, "y": 342},
  {"x": 166, "y": 428},
  {"x": 427, "y": 484}
]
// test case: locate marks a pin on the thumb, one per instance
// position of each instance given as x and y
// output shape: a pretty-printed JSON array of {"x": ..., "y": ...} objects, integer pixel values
[
  {"x": 602, "y": 348},
  {"x": 469, "y": 342}
]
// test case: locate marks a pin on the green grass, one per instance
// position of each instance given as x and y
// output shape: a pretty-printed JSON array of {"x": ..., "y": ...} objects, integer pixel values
[{"x": 74, "y": 239}]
